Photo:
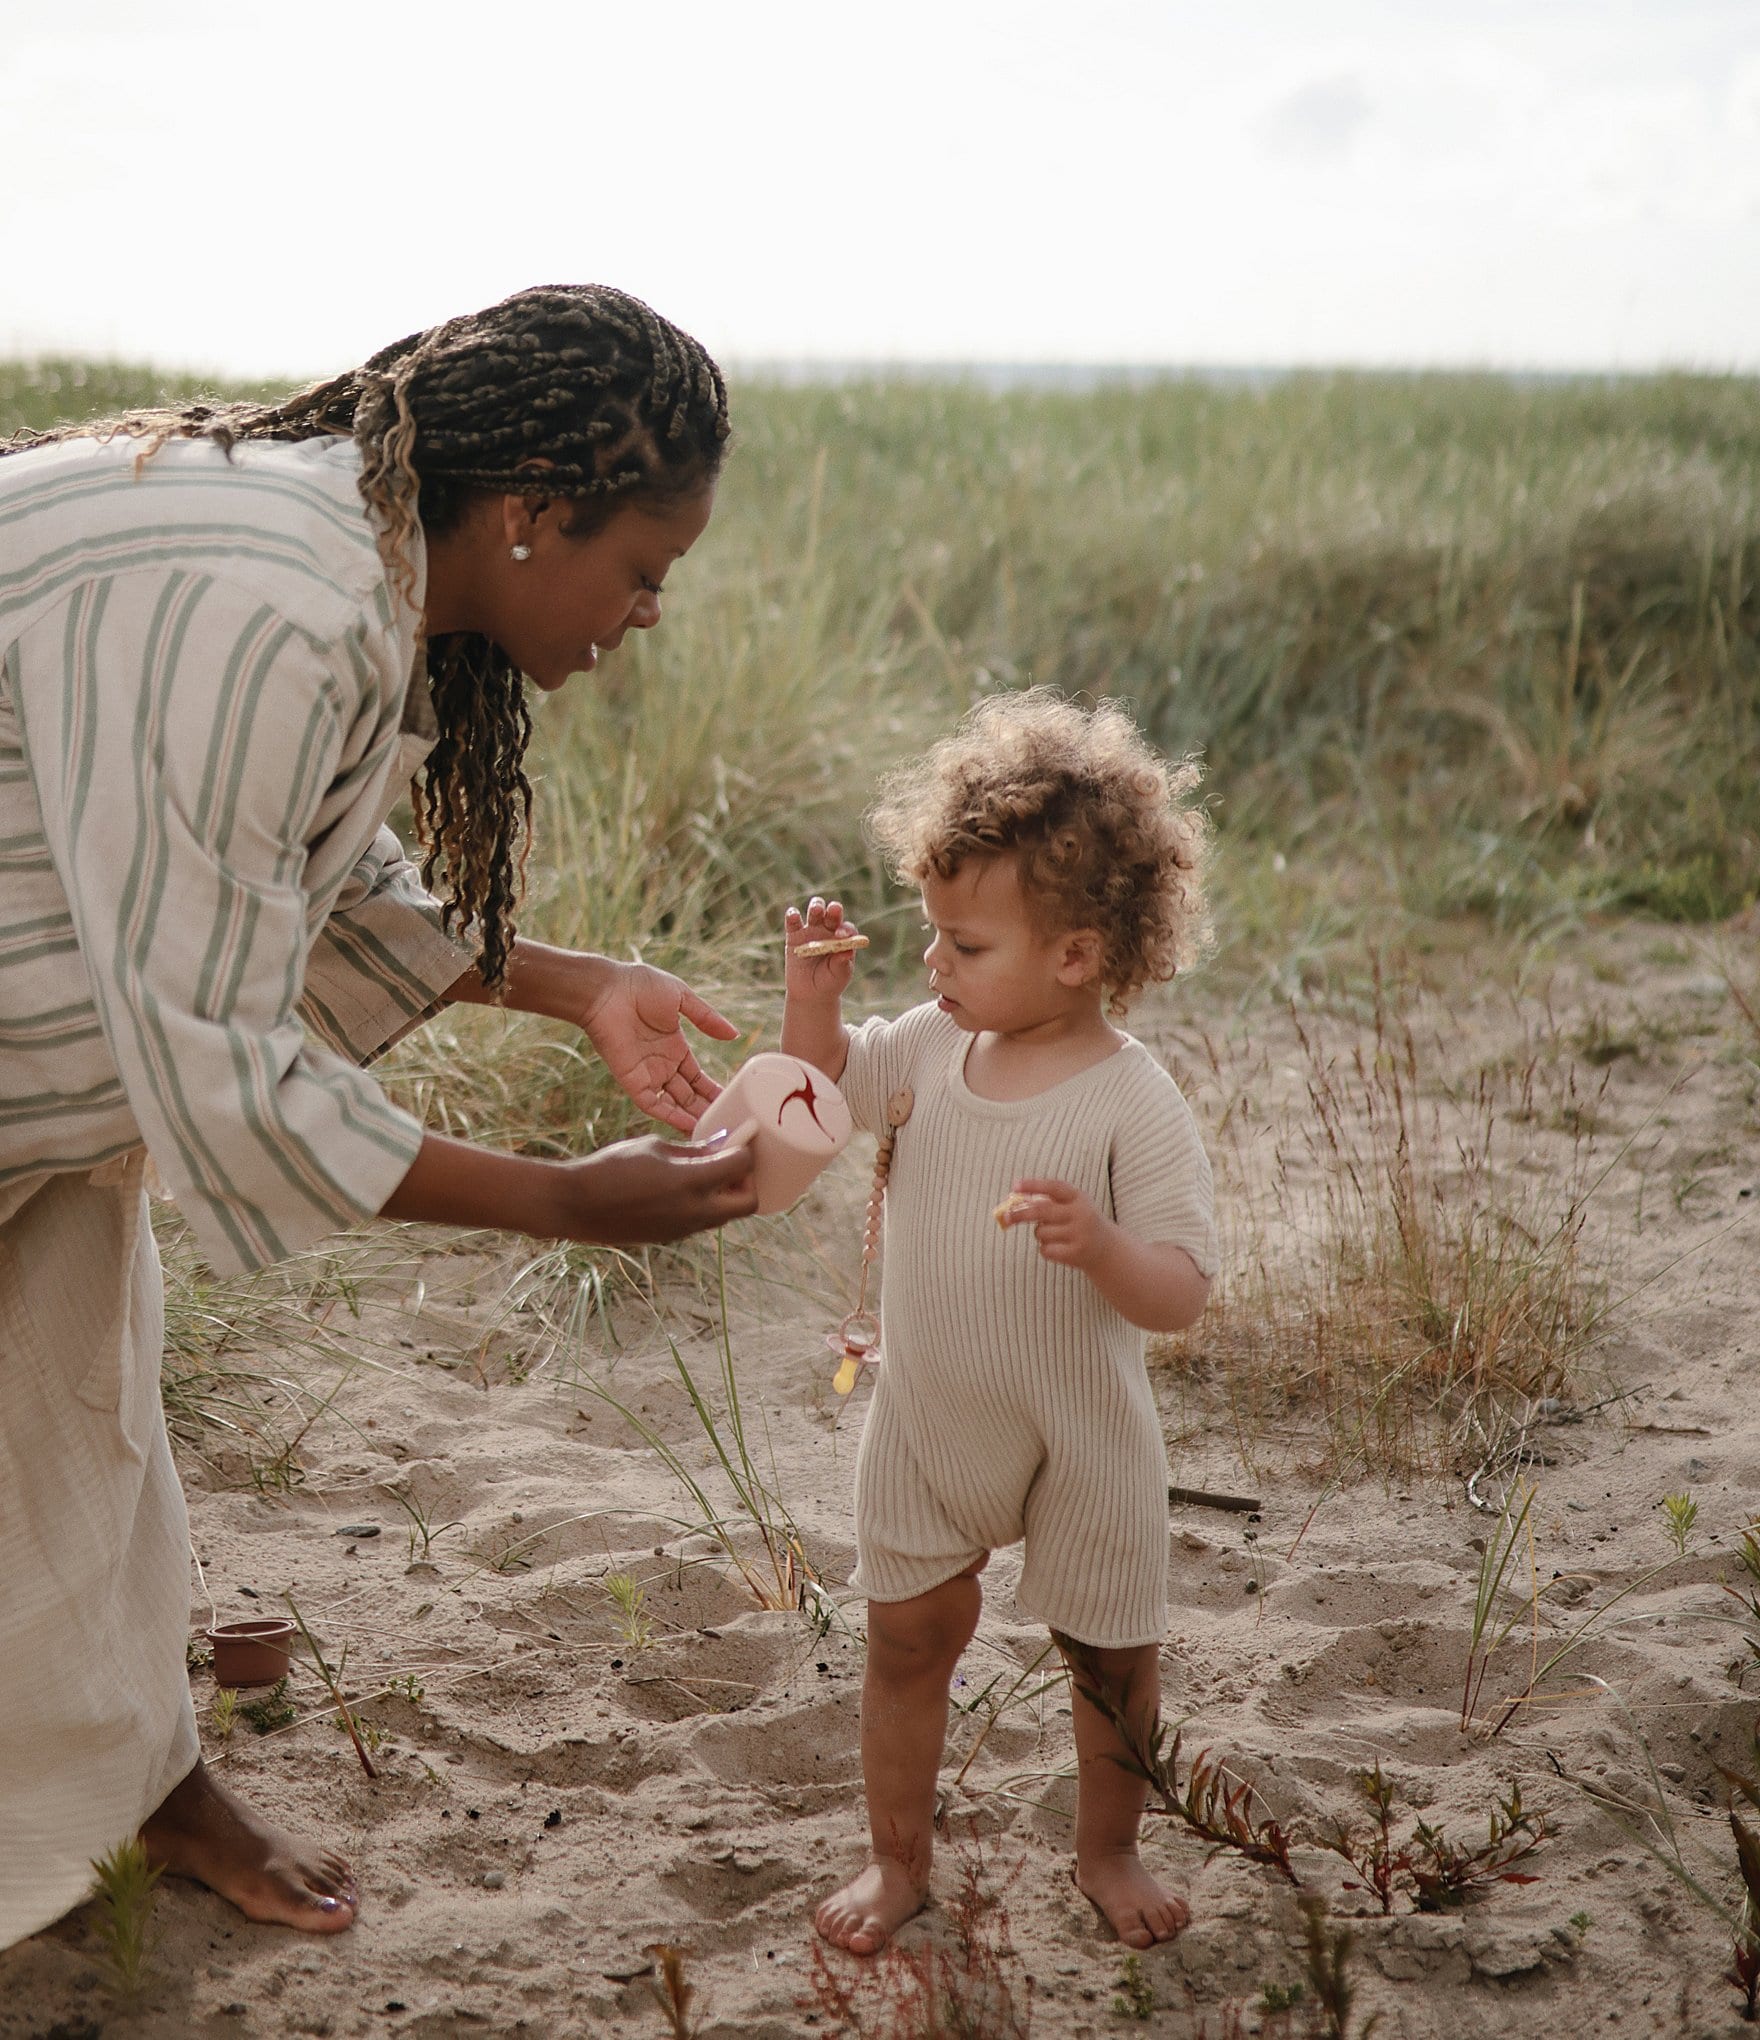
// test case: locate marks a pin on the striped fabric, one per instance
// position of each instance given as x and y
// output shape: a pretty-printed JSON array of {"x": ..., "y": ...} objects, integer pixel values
[
  {"x": 1012, "y": 1400},
  {"x": 96, "y": 1722},
  {"x": 204, "y": 926}
]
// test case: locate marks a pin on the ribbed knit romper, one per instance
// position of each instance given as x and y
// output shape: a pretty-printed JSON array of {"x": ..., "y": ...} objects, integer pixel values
[{"x": 1012, "y": 1400}]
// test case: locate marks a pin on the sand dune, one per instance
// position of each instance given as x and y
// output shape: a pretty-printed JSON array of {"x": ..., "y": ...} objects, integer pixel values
[{"x": 557, "y": 1792}]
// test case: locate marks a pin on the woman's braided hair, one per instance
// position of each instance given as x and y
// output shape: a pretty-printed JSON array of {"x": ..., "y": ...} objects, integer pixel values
[{"x": 566, "y": 391}]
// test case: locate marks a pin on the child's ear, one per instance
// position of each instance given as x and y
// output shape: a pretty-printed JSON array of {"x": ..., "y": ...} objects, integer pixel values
[{"x": 1080, "y": 957}]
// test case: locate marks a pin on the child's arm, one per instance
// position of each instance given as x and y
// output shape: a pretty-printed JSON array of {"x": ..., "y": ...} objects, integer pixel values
[
  {"x": 1153, "y": 1283},
  {"x": 812, "y": 1017}
]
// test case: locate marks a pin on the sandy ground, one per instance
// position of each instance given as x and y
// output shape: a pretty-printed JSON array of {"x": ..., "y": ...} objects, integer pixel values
[{"x": 553, "y": 1797}]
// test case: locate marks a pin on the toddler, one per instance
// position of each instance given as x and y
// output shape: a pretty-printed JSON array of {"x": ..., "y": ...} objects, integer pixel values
[{"x": 1049, "y": 1201}]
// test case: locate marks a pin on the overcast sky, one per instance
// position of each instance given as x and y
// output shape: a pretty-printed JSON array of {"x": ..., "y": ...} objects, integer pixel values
[{"x": 1554, "y": 183}]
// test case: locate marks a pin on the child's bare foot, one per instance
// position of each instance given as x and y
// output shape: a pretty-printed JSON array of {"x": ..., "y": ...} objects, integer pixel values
[
  {"x": 871, "y": 1908},
  {"x": 202, "y": 1831},
  {"x": 1140, "y": 1910}
]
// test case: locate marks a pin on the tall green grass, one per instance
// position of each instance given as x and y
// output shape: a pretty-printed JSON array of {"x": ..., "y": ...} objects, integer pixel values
[{"x": 1452, "y": 646}]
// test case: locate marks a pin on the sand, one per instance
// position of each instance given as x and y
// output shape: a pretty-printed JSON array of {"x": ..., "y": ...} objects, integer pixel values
[{"x": 555, "y": 1796}]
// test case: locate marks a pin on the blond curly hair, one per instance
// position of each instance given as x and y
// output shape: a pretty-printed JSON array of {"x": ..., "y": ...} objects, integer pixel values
[{"x": 1105, "y": 832}]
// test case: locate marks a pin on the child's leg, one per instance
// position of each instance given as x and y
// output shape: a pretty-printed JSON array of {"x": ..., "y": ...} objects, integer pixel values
[
  {"x": 913, "y": 1647},
  {"x": 1109, "y": 1806}
]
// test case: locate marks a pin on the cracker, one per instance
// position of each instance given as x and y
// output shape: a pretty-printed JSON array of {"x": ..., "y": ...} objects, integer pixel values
[{"x": 831, "y": 945}]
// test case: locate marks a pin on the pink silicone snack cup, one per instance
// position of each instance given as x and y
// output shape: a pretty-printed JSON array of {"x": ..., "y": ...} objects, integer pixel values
[{"x": 797, "y": 1122}]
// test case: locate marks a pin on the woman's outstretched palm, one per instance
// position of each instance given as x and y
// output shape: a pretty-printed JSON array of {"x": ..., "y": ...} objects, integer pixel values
[{"x": 636, "y": 1025}]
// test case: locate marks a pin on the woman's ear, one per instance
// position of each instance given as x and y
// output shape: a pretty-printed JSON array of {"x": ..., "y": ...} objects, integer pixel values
[
  {"x": 521, "y": 516},
  {"x": 1080, "y": 956}
]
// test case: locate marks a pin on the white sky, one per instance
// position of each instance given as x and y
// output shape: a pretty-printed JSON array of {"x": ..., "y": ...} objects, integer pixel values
[{"x": 1545, "y": 183}]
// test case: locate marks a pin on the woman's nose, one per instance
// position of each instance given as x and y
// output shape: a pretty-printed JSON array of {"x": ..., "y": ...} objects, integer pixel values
[{"x": 646, "y": 612}]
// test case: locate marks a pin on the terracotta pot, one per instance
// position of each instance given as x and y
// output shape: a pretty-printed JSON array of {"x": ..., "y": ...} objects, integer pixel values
[
  {"x": 251, "y": 1653},
  {"x": 793, "y": 1115}
]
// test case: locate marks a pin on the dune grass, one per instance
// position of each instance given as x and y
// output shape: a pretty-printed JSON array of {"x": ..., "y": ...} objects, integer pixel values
[{"x": 1459, "y": 653}]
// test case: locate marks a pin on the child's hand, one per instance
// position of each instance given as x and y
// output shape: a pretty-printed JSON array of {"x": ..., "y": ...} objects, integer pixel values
[
  {"x": 824, "y": 977},
  {"x": 1070, "y": 1227}
]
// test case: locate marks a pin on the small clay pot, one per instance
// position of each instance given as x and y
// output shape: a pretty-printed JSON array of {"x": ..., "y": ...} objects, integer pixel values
[{"x": 251, "y": 1653}]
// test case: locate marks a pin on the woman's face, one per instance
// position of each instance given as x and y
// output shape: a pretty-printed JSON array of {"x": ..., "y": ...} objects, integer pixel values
[{"x": 555, "y": 612}]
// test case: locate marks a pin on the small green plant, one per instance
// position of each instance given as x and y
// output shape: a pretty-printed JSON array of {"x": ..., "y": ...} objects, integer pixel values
[
  {"x": 1580, "y": 1923},
  {"x": 223, "y": 1711},
  {"x": 1682, "y": 1512},
  {"x": 634, "y": 1624},
  {"x": 406, "y": 1687},
  {"x": 1326, "y": 1955},
  {"x": 373, "y": 1733},
  {"x": 269, "y": 1711},
  {"x": 1432, "y": 1870},
  {"x": 1276, "y": 1999},
  {"x": 127, "y": 1885},
  {"x": 1747, "y": 1597},
  {"x": 1135, "y": 1996},
  {"x": 422, "y": 1528}
]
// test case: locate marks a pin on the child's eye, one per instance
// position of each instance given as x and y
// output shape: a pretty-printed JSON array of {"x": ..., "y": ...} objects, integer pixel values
[{"x": 965, "y": 949}]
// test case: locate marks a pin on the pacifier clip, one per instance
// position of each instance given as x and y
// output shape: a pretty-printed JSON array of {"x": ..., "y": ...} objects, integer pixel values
[{"x": 857, "y": 1339}]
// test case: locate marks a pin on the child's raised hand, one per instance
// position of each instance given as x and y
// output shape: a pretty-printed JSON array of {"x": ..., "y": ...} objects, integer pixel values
[
  {"x": 821, "y": 950},
  {"x": 1069, "y": 1226}
]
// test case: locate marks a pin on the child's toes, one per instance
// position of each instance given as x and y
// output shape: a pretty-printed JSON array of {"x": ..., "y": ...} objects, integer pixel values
[{"x": 1172, "y": 1916}]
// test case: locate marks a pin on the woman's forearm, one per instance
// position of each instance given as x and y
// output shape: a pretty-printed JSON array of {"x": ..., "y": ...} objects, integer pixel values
[
  {"x": 557, "y": 983},
  {"x": 633, "y": 1193}
]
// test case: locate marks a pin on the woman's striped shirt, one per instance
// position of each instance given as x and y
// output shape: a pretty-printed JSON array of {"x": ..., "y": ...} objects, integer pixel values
[{"x": 206, "y": 714}]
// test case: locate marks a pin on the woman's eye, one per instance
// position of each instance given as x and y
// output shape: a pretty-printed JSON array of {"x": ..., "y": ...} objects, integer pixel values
[{"x": 653, "y": 587}]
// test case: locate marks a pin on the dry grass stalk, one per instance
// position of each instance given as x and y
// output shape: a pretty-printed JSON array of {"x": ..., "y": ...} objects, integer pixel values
[
  {"x": 672, "y": 1993},
  {"x": 1394, "y": 1269},
  {"x": 332, "y": 1685}
]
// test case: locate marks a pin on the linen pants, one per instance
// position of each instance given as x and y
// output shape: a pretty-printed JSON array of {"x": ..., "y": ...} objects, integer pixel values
[{"x": 96, "y": 1721}]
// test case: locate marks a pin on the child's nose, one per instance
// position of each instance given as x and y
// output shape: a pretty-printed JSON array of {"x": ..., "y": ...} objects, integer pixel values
[{"x": 932, "y": 959}]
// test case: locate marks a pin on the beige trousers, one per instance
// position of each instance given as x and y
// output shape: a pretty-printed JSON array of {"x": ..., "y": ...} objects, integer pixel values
[{"x": 96, "y": 1723}]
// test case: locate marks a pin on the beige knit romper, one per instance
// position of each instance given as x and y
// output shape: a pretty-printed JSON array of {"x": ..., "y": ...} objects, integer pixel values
[{"x": 1012, "y": 1400}]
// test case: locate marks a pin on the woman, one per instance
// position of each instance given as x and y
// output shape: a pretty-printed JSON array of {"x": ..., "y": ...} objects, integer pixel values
[{"x": 228, "y": 637}]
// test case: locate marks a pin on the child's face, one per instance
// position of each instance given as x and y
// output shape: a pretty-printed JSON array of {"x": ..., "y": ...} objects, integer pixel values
[{"x": 995, "y": 970}]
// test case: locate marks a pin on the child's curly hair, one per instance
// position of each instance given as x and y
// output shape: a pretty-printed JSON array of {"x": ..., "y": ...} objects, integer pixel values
[{"x": 1104, "y": 830}]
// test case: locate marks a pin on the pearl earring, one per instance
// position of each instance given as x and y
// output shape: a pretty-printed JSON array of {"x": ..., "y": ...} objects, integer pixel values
[{"x": 519, "y": 552}]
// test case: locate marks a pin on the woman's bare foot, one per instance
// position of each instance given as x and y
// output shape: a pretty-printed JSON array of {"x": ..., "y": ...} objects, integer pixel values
[
  {"x": 1139, "y": 1910},
  {"x": 202, "y": 1831},
  {"x": 871, "y": 1908}
]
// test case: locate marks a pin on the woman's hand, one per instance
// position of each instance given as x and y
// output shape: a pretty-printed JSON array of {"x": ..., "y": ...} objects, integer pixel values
[
  {"x": 630, "y": 1012},
  {"x": 646, "y": 1191},
  {"x": 633, "y": 1018}
]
